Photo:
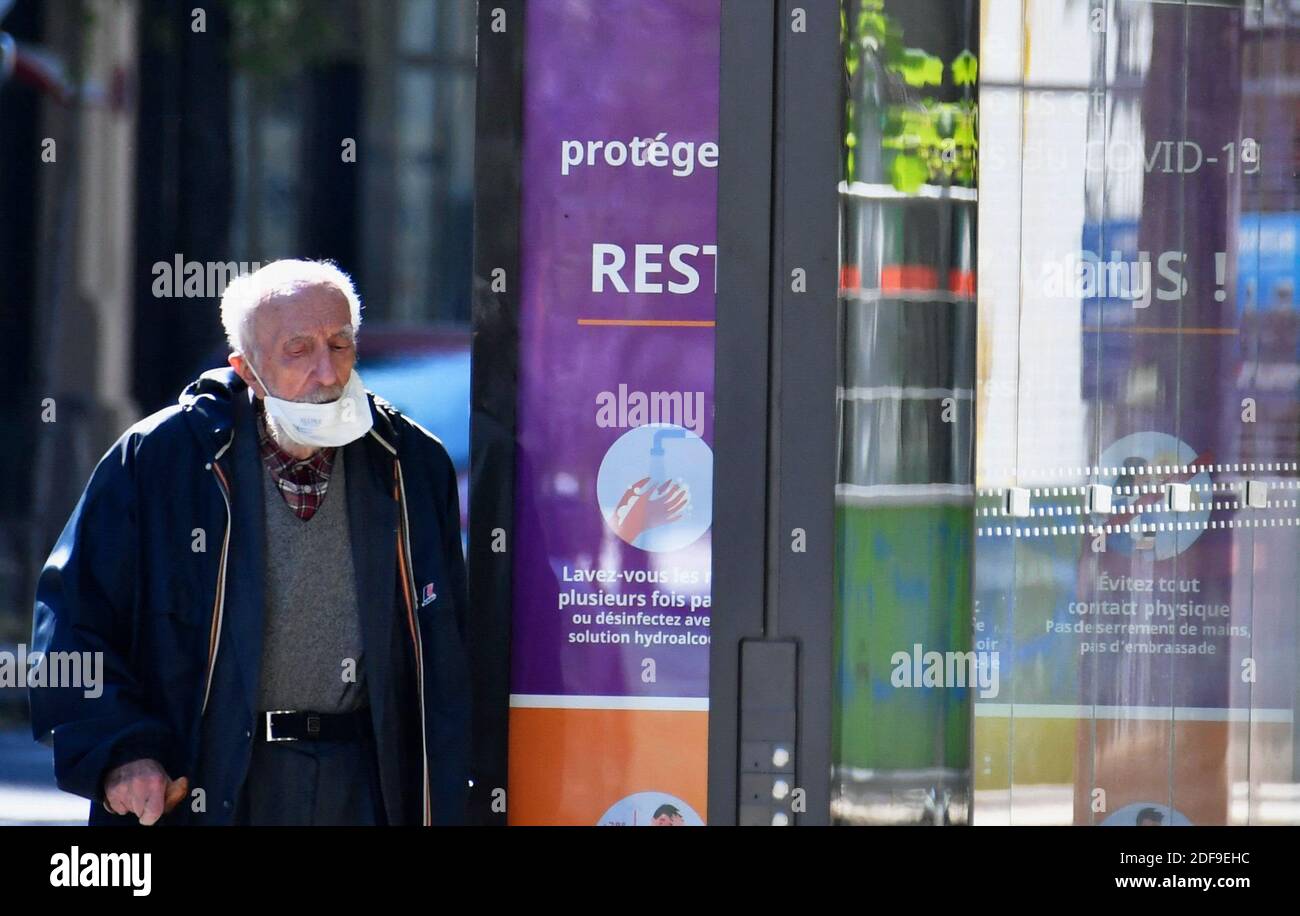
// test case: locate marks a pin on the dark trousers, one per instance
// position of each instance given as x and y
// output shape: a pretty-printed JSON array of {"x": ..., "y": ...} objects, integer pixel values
[{"x": 313, "y": 783}]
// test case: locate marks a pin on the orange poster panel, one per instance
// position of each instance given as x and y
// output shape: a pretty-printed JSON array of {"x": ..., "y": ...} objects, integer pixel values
[{"x": 610, "y": 767}]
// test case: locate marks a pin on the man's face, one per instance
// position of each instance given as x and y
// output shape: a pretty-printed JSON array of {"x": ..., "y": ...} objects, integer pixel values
[{"x": 304, "y": 346}]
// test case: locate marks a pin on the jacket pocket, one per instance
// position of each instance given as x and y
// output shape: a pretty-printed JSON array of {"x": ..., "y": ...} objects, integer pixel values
[
  {"x": 184, "y": 592},
  {"x": 446, "y": 656},
  {"x": 173, "y": 645}
]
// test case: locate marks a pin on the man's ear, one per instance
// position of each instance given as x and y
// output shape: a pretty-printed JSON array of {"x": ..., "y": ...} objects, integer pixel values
[{"x": 240, "y": 365}]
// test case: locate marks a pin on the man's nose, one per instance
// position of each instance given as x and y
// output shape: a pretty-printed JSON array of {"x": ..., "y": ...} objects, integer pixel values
[{"x": 326, "y": 374}]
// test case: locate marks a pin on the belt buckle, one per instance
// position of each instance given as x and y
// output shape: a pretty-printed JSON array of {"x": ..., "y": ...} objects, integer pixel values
[
  {"x": 313, "y": 725},
  {"x": 270, "y": 730}
]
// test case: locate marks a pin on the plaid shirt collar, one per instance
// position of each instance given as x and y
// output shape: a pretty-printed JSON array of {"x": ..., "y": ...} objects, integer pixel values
[{"x": 301, "y": 481}]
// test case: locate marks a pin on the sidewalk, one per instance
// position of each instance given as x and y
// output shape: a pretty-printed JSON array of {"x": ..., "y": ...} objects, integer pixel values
[{"x": 28, "y": 794}]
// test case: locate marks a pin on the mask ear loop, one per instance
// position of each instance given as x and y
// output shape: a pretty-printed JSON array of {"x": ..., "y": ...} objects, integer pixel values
[{"x": 249, "y": 363}]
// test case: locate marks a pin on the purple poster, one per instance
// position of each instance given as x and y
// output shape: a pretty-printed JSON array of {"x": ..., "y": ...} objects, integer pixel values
[{"x": 613, "y": 488}]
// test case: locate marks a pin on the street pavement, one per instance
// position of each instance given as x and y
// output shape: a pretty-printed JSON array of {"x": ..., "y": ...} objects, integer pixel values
[{"x": 28, "y": 794}]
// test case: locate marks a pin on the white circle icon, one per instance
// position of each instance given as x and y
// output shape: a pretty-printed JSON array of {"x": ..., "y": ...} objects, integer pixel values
[{"x": 655, "y": 487}]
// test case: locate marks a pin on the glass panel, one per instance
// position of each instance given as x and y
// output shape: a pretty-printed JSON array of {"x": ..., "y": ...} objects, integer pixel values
[
  {"x": 1136, "y": 523},
  {"x": 905, "y": 402}
]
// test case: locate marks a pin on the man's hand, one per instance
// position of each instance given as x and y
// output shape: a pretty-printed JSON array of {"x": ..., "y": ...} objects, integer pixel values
[{"x": 143, "y": 788}]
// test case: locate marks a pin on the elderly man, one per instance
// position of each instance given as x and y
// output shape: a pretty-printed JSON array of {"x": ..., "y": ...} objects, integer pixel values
[{"x": 272, "y": 570}]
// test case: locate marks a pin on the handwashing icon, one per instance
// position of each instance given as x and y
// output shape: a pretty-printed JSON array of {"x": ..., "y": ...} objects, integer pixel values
[
  {"x": 655, "y": 487},
  {"x": 645, "y": 505}
]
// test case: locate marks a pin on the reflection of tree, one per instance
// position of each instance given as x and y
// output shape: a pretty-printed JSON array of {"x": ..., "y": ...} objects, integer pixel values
[
  {"x": 907, "y": 307},
  {"x": 271, "y": 38},
  {"x": 916, "y": 140}
]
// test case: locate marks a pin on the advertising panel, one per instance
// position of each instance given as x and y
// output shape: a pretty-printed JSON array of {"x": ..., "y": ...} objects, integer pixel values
[{"x": 614, "y": 470}]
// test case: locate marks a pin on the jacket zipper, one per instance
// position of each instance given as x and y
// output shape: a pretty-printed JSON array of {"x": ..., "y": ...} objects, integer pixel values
[
  {"x": 408, "y": 578},
  {"x": 407, "y": 569},
  {"x": 219, "y": 606}
]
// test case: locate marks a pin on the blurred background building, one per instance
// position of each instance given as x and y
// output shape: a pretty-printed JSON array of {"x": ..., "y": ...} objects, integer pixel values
[{"x": 141, "y": 133}]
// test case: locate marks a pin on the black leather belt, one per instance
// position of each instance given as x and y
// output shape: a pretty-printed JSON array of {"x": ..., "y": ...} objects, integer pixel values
[{"x": 278, "y": 725}]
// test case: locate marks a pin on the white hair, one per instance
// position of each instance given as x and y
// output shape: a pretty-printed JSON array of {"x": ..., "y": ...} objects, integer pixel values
[{"x": 244, "y": 294}]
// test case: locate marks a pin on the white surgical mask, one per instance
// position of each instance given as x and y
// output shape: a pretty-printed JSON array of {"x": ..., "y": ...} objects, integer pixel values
[{"x": 322, "y": 425}]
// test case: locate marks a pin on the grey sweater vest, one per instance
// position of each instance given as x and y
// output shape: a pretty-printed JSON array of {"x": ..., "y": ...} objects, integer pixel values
[{"x": 312, "y": 651}]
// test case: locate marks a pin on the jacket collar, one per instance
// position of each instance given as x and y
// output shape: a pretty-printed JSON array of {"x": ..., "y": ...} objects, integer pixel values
[{"x": 209, "y": 404}]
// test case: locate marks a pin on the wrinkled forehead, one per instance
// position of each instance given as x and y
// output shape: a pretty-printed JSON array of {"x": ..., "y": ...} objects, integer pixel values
[{"x": 316, "y": 310}]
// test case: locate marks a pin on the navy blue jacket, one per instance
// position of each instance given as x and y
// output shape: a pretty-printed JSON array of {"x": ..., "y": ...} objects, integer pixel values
[{"x": 161, "y": 568}]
